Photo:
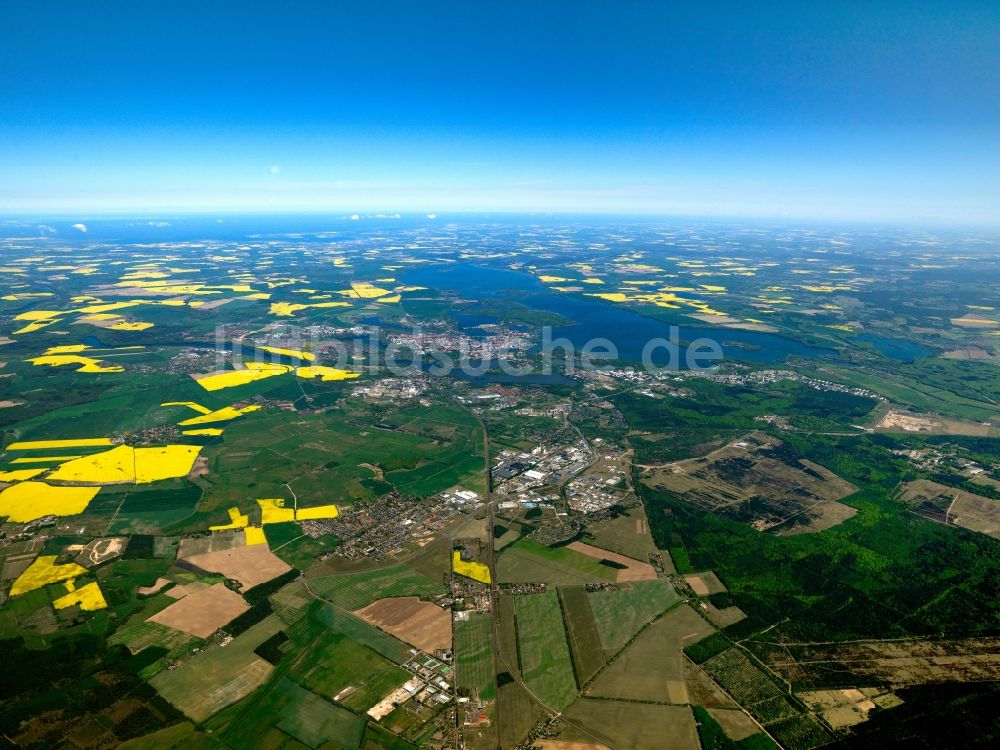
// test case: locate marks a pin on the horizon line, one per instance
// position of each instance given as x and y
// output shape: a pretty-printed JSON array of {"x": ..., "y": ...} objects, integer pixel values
[{"x": 390, "y": 214}]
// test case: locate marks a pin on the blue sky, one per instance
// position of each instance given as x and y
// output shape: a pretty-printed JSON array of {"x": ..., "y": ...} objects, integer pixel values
[{"x": 873, "y": 110}]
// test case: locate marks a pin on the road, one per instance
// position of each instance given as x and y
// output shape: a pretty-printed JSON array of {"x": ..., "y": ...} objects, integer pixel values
[{"x": 498, "y": 656}]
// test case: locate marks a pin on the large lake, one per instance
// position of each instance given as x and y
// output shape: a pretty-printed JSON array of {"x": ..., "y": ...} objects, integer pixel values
[{"x": 593, "y": 319}]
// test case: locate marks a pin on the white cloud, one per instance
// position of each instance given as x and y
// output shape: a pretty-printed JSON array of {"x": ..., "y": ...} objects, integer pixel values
[
  {"x": 80, "y": 227},
  {"x": 354, "y": 217},
  {"x": 432, "y": 216},
  {"x": 274, "y": 169}
]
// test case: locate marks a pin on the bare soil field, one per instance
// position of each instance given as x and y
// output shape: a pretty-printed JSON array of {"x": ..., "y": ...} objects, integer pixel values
[
  {"x": 760, "y": 481},
  {"x": 953, "y": 507},
  {"x": 199, "y": 469},
  {"x": 421, "y": 624},
  {"x": 736, "y": 723},
  {"x": 183, "y": 589},
  {"x": 705, "y": 583},
  {"x": 726, "y": 321},
  {"x": 974, "y": 353},
  {"x": 14, "y": 565},
  {"x": 250, "y": 566},
  {"x": 634, "y": 570},
  {"x": 702, "y": 689},
  {"x": 901, "y": 421},
  {"x": 203, "y": 612},
  {"x": 158, "y": 585},
  {"x": 567, "y": 745},
  {"x": 896, "y": 663},
  {"x": 723, "y": 618}
]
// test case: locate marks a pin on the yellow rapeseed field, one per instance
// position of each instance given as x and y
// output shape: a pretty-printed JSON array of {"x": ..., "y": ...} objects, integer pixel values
[
  {"x": 219, "y": 415},
  {"x": 30, "y": 500},
  {"x": 236, "y": 521},
  {"x": 298, "y": 354},
  {"x": 32, "y": 327},
  {"x": 189, "y": 404},
  {"x": 30, "y": 445},
  {"x": 255, "y": 535},
  {"x": 19, "y": 475},
  {"x": 288, "y": 309},
  {"x": 326, "y": 373},
  {"x": 127, "y": 464},
  {"x": 364, "y": 290},
  {"x": 67, "y": 349},
  {"x": 274, "y": 511},
  {"x": 89, "y": 597},
  {"x": 317, "y": 513},
  {"x": 42, "y": 572},
  {"x": 42, "y": 459},
  {"x": 254, "y": 371},
  {"x": 475, "y": 571},
  {"x": 87, "y": 364}
]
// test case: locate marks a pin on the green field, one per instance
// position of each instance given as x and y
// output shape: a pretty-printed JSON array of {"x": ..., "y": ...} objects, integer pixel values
[
  {"x": 584, "y": 637},
  {"x": 543, "y": 651},
  {"x": 519, "y": 712},
  {"x": 652, "y": 667},
  {"x": 378, "y": 738},
  {"x": 152, "y": 511},
  {"x": 422, "y": 450},
  {"x": 220, "y": 676},
  {"x": 621, "y": 613},
  {"x": 312, "y": 664},
  {"x": 334, "y": 663},
  {"x": 356, "y": 590},
  {"x": 529, "y": 561},
  {"x": 288, "y": 542},
  {"x": 177, "y": 737},
  {"x": 143, "y": 635},
  {"x": 473, "y": 646},
  {"x": 314, "y": 721},
  {"x": 621, "y": 535},
  {"x": 637, "y": 726},
  {"x": 941, "y": 386},
  {"x": 362, "y": 632}
]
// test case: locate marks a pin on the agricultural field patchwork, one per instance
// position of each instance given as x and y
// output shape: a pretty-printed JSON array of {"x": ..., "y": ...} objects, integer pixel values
[{"x": 218, "y": 530}]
